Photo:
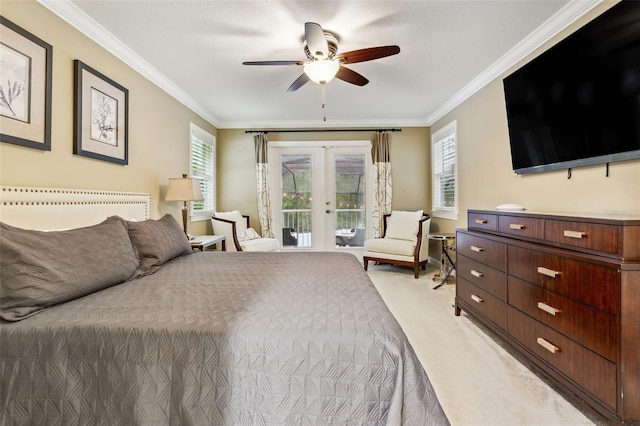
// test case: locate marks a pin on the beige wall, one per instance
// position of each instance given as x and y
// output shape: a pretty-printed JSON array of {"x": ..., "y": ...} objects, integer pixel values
[
  {"x": 158, "y": 124},
  {"x": 410, "y": 159},
  {"x": 486, "y": 178}
]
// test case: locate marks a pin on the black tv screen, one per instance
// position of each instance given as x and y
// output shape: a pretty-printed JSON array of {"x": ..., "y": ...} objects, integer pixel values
[{"x": 578, "y": 103}]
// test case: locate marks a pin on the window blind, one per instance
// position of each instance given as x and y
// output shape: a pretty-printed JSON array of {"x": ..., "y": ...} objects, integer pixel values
[
  {"x": 203, "y": 169},
  {"x": 444, "y": 173}
]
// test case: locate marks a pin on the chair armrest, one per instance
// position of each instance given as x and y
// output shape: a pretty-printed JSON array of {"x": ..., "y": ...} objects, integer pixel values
[
  {"x": 423, "y": 237},
  {"x": 227, "y": 228}
]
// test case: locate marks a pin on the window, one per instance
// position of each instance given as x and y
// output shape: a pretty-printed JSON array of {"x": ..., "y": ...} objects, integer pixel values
[
  {"x": 203, "y": 167},
  {"x": 445, "y": 172}
]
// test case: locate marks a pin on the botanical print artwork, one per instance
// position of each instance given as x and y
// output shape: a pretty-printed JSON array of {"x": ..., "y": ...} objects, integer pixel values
[
  {"x": 26, "y": 69},
  {"x": 100, "y": 116},
  {"x": 104, "y": 116},
  {"x": 14, "y": 84}
]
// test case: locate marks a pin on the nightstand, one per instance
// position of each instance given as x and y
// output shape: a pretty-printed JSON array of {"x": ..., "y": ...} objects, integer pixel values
[{"x": 201, "y": 242}]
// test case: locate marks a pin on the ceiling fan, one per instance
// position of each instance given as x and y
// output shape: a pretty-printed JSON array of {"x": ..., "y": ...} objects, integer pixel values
[{"x": 322, "y": 63}]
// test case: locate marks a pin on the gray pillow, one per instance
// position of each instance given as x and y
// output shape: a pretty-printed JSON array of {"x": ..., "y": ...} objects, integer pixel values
[
  {"x": 40, "y": 269},
  {"x": 156, "y": 242}
]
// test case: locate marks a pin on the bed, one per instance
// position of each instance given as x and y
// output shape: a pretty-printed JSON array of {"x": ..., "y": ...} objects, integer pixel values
[{"x": 197, "y": 338}]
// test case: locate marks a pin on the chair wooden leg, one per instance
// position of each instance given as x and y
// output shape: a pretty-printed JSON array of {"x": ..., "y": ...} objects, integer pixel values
[
  {"x": 416, "y": 271},
  {"x": 366, "y": 263}
]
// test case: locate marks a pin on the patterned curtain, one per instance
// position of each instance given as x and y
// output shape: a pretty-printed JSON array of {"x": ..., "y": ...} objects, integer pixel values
[
  {"x": 382, "y": 184},
  {"x": 265, "y": 215}
]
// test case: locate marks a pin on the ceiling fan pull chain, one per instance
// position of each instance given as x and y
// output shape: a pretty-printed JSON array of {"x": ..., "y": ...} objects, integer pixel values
[{"x": 324, "y": 110}]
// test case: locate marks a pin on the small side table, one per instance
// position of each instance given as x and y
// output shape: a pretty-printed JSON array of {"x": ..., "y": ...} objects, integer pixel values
[
  {"x": 201, "y": 242},
  {"x": 445, "y": 269}
]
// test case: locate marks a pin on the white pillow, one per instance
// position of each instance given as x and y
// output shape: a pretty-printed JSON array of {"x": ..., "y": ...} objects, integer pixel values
[
  {"x": 248, "y": 234},
  {"x": 235, "y": 216},
  {"x": 403, "y": 225}
]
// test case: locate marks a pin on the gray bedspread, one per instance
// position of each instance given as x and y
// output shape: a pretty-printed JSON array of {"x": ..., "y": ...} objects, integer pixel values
[{"x": 219, "y": 338}]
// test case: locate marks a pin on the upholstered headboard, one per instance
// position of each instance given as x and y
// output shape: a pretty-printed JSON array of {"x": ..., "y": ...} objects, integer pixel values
[{"x": 57, "y": 208}]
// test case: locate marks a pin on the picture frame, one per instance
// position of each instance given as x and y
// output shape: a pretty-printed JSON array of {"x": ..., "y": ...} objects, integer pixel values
[
  {"x": 26, "y": 71},
  {"x": 101, "y": 110}
]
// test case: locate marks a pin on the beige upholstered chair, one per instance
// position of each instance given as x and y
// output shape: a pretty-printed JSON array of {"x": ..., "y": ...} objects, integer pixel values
[
  {"x": 405, "y": 241},
  {"x": 240, "y": 236}
]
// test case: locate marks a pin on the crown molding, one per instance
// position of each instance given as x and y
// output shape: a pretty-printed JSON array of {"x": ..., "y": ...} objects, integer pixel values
[
  {"x": 75, "y": 17},
  {"x": 550, "y": 28}
]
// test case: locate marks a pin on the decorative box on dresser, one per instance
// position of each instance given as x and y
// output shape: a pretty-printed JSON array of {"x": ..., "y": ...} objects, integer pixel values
[{"x": 565, "y": 292}]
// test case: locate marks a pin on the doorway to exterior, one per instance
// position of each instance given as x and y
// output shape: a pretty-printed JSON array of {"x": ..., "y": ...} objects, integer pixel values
[{"x": 321, "y": 194}]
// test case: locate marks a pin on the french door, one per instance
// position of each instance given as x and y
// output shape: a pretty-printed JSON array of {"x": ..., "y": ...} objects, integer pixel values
[{"x": 321, "y": 193}]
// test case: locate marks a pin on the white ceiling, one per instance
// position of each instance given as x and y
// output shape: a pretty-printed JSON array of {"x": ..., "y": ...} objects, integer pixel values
[{"x": 194, "y": 50}]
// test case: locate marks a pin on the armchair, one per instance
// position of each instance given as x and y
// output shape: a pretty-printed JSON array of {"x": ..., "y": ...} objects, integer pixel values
[
  {"x": 288, "y": 239},
  {"x": 405, "y": 241},
  {"x": 239, "y": 234}
]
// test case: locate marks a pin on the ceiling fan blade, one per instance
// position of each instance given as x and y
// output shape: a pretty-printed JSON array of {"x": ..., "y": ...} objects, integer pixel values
[
  {"x": 350, "y": 76},
  {"x": 300, "y": 81},
  {"x": 273, "y": 63},
  {"x": 368, "y": 54},
  {"x": 316, "y": 41}
]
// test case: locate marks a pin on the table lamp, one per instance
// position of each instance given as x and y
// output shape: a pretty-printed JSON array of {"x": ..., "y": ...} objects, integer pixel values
[{"x": 184, "y": 189}]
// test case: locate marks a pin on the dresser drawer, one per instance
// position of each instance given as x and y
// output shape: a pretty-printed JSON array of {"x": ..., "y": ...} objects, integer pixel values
[
  {"x": 588, "y": 369},
  {"x": 482, "y": 250},
  {"x": 593, "y": 328},
  {"x": 594, "y": 285},
  {"x": 521, "y": 226},
  {"x": 482, "y": 301},
  {"x": 482, "y": 221},
  {"x": 483, "y": 276},
  {"x": 592, "y": 236}
]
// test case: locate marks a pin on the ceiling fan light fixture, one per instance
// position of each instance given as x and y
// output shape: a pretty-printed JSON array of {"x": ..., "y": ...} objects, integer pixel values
[{"x": 321, "y": 71}]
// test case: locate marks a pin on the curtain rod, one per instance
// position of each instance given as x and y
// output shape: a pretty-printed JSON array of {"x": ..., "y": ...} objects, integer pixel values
[{"x": 322, "y": 130}]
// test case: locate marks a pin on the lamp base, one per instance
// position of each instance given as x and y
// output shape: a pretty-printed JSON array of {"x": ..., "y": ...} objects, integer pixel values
[{"x": 184, "y": 219}]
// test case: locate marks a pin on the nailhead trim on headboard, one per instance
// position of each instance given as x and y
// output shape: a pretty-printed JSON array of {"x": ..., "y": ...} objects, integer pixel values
[{"x": 93, "y": 205}]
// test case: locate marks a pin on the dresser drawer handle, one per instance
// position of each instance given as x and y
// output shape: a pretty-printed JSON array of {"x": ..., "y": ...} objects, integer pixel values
[
  {"x": 477, "y": 249},
  {"x": 481, "y": 221},
  {"x": 476, "y": 273},
  {"x": 548, "y": 309},
  {"x": 548, "y": 272},
  {"x": 575, "y": 234},
  {"x": 477, "y": 299},
  {"x": 548, "y": 346},
  {"x": 516, "y": 226}
]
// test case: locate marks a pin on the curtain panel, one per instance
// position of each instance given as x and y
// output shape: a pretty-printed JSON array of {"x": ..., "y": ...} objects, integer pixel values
[
  {"x": 382, "y": 186},
  {"x": 265, "y": 215}
]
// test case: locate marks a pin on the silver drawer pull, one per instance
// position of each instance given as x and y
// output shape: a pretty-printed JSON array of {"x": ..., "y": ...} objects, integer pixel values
[
  {"x": 575, "y": 234},
  {"x": 547, "y": 345},
  {"x": 516, "y": 226},
  {"x": 481, "y": 221},
  {"x": 548, "y": 309},
  {"x": 476, "y": 249},
  {"x": 477, "y": 299},
  {"x": 476, "y": 273},
  {"x": 548, "y": 272}
]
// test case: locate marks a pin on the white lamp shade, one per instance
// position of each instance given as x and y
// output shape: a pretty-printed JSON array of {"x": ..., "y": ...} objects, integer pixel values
[
  {"x": 322, "y": 70},
  {"x": 184, "y": 189}
]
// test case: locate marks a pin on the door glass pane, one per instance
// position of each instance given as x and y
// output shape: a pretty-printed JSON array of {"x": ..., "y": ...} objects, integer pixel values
[
  {"x": 296, "y": 201},
  {"x": 350, "y": 200}
]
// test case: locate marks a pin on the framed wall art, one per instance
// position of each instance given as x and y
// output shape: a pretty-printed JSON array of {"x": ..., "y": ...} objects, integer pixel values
[
  {"x": 26, "y": 65},
  {"x": 101, "y": 123}
]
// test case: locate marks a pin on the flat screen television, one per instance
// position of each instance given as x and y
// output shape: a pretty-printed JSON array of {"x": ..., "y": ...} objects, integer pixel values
[{"x": 578, "y": 103}]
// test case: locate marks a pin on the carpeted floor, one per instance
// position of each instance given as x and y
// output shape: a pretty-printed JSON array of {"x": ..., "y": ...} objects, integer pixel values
[{"x": 477, "y": 380}]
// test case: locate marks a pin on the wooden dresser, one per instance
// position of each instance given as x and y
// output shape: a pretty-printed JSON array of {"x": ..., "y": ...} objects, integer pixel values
[{"x": 565, "y": 292}]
